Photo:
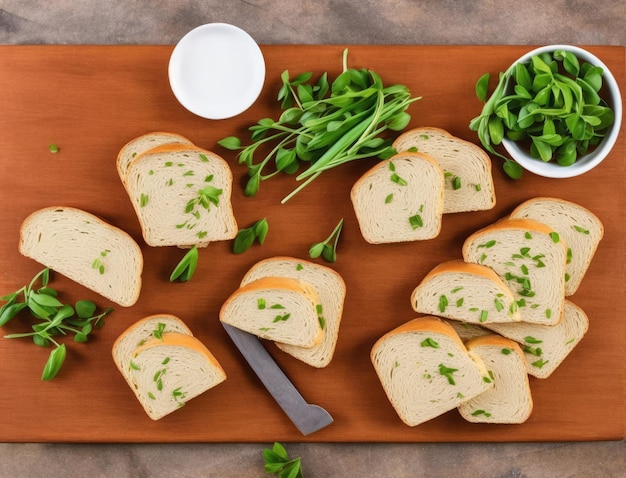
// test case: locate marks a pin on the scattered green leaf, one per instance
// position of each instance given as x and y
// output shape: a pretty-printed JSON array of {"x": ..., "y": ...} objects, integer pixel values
[
  {"x": 328, "y": 247},
  {"x": 246, "y": 237},
  {"x": 54, "y": 363},
  {"x": 185, "y": 269}
]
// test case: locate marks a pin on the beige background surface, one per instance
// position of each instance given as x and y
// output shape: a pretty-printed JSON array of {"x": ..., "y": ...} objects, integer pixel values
[{"x": 335, "y": 22}]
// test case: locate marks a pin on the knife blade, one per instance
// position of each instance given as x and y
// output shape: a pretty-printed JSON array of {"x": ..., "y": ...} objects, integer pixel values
[{"x": 307, "y": 417}]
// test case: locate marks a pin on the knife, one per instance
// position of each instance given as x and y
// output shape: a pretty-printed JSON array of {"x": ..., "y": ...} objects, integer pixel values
[{"x": 307, "y": 417}]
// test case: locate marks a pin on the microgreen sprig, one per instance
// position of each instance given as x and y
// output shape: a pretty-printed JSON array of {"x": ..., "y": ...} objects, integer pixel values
[
  {"x": 552, "y": 101},
  {"x": 323, "y": 125},
  {"x": 326, "y": 248},
  {"x": 278, "y": 463},
  {"x": 54, "y": 319},
  {"x": 185, "y": 269},
  {"x": 246, "y": 237}
]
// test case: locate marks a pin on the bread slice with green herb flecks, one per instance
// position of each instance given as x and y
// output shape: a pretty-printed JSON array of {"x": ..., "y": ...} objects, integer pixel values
[
  {"x": 279, "y": 309},
  {"x": 400, "y": 199},
  {"x": 545, "y": 347},
  {"x": 86, "y": 249},
  {"x": 168, "y": 371},
  {"x": 467, "y": 167},
  {"x": 331, "y": 291},
  {"x": 143, "y": 143},
  {"x": 579, "y": 227},
  {"x": 426, "y": 370},
  {"x": 182, "y": 196},
  {"x": 466, "y": 292},
  {"x": 510, "y": 399},
  {"x": 153, "y": 326},
  {"x": 530, "y": 258}
]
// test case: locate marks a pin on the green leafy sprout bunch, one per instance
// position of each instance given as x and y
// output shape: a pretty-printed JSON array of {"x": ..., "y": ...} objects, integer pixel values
[
  {"x": 323, "y": 125},
  {"x": 53, "y": 319}
]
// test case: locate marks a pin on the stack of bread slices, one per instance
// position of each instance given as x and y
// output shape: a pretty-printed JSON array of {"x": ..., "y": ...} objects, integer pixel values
[
  {"x": 164, "y": 364},
  {"x": 499, "y": 314},
  {"x": 295, "y": 303},
  {"x": 404, "y": 197},
  {"x": 180, "y": 192}
]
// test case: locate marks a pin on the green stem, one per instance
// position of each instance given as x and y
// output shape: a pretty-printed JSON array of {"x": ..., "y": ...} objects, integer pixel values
[
  {"x": 309, "y": 180},
  {"x": 336, "y": 233},
  {"x": 271, "y": 154}
]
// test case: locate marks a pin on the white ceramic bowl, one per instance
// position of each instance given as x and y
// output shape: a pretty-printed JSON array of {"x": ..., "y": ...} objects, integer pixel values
[
  {"x": 591, "y": 160},
  {"x": 217, "y": 71}
]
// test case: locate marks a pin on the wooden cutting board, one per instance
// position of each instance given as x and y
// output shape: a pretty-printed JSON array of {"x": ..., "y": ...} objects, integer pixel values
[{"x": 91, "y": 100}]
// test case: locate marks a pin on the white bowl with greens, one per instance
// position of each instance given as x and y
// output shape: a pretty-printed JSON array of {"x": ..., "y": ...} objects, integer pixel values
[{"x": 557, "y": 111}]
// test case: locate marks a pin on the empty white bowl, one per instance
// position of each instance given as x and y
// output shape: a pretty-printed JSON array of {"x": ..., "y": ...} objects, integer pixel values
[
  {"x": 610, "y": 93},
  {"x": 217, "y": 71}
]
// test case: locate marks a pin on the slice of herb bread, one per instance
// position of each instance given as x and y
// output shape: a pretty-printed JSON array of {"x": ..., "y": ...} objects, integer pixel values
[
  {"x": 279, "y": 309},
  {"x": 182, "y": 196},
  {"x": 168, "y": 371},
  {"x": 545, "y": 347},
  {"x": 85, "y": 249},
  {"x": 426, "y": 370},
  {"x": 510, "y": 399},
  {"x": 400, "y": 199},
  {"x": 579, "y": 227},
  {"x": 530, "y": 258},
  {"x": 153, "y": 326},
  {"x": 467, "y": 292},
  {"x": 142, "y": 144},
  {"x": 331, "y": 290},
  {"x": 467, "y": 168}
]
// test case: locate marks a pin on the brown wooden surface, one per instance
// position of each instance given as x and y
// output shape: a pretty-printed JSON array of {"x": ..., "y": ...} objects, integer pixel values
[{"x": 90, "y": 100}]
